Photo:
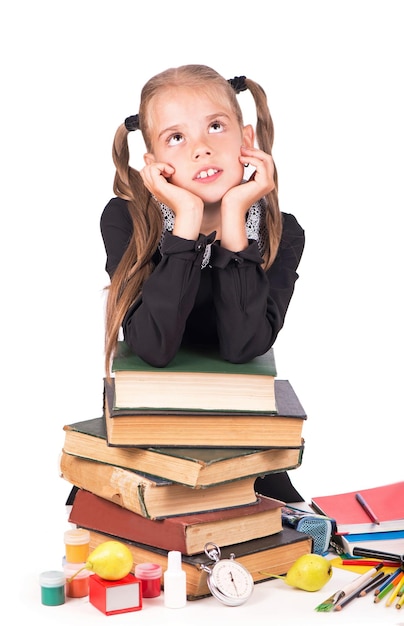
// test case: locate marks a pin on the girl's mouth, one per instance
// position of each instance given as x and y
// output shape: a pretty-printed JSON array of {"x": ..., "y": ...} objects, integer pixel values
[{"x": 207, "y": 174}]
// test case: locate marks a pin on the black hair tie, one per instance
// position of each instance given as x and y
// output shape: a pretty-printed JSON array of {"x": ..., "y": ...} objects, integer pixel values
[
  {"x": 238, "y": 83},
  {"x": 132, "y": 123}
]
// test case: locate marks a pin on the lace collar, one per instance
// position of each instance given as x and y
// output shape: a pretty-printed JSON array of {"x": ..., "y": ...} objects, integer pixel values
[{"x": 255, "y": 227}]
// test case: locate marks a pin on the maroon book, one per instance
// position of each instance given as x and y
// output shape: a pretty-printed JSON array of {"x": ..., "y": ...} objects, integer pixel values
[{"x": 186, "y": 533}]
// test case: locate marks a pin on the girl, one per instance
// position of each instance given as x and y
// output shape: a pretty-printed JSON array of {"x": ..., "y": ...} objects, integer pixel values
[{"x": 195, "y": 253}]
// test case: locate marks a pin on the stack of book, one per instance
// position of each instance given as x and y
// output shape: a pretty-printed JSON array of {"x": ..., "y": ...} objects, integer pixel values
[{"x": 172, "y": 463}]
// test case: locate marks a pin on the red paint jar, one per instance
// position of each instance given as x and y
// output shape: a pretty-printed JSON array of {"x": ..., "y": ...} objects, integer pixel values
[{"x": 150, "y": 574}]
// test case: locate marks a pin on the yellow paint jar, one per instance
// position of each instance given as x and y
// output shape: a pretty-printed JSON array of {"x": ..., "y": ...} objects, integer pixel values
[{"x": 77, "y": 545}]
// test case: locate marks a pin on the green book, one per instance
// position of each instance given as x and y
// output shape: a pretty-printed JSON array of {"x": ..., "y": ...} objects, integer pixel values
[
  {"x": 196, "y": 379},
  {"x": 194, "y": 467}
]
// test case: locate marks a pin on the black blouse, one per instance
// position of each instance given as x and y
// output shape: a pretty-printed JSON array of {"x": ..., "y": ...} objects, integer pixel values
[{"x": 232, "y": 302}]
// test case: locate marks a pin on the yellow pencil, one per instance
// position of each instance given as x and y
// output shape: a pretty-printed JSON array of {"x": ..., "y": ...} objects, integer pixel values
[
  {"x": 400, "y": 602},
  {"x": 393, "y": 595}
]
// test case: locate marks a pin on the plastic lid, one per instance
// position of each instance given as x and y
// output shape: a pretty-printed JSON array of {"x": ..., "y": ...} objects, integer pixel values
[
  {"x": 148, "y": 570},
  {"x": 52, "y": 578},
  {"x": 174, "y": 560},
  {"x": 77, "y": 536},
  {"x": 72, "y": 568}
]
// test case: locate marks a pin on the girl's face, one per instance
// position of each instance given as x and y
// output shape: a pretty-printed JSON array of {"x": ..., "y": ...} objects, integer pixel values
[{"x": 201, "y": 139}]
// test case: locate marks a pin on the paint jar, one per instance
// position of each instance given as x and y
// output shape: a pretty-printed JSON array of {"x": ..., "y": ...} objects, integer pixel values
[
  {"x": 150, "y": 574},
  {"x": 78, "y": 587},
  {"x": 77, "y": 545},
  {"x": 52, "y": 588}
]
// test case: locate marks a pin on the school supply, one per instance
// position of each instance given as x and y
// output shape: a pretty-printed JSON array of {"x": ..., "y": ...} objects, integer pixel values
[
  {"x": 195, "y": 467},
  {"x": 317, "y": 526},
  {"x": 195, "y": 379},
  {"x": 151, "y": 496},
  {"x": 388, "y": 541},
  {"x": 186, "y": 533},
  {"x": 264, "y": 557},
  {"x": 385, "y": 502},
  {"x": 354, "y": 586},
  {"x": 159, "y": 427}
]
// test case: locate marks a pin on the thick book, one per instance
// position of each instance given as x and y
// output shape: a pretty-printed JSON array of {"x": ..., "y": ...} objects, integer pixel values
[
  {"x": 266, "y": 557},
  {"x": 151, "y": 496},
  {"x": 196, "y": 378},
  {"x": 132, "y": 427},
  {"x": 186, "y": 533},
  {"x": 195, "y": 467},
  {"x": 386, "y": 502}
]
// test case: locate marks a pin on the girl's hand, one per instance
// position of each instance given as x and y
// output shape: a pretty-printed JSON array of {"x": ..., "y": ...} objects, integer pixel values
[
  {"x": 187, "y": 207},
  {"x": 238, "y": 200},
  {"x": 260, "y": 183}
]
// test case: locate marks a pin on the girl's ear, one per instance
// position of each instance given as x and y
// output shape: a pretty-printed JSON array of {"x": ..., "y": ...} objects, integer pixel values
[
  {"x": 149, "y": 158},
  {"x": 248, "y": 136}
]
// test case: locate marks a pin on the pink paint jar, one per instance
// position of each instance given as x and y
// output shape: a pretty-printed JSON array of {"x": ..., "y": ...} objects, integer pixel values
[{"x": 150, "y": 575}]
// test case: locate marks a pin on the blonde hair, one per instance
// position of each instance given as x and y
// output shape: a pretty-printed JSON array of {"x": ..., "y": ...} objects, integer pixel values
[{"x": 136, "y": 263}]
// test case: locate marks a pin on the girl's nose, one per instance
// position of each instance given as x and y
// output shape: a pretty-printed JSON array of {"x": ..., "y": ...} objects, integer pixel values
[{"x": 201, "y": 149}]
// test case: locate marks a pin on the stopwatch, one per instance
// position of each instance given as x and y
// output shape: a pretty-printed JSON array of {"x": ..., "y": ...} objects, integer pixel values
[{"x": 229, "y": 581}]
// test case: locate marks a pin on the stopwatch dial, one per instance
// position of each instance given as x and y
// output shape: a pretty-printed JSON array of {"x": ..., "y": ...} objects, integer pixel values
[{"x": 232, "y": 579}]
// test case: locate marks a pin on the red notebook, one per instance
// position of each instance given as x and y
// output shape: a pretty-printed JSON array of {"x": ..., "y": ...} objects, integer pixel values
[{"x": 386, "y": 502}]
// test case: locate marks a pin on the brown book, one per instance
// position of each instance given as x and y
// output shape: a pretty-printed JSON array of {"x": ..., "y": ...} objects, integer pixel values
[
  {"x": 151, "y": 496},
  {"x": 186, "y": 533},
  {"x": 195, "y": 467},
  {"x": 268, "y": 556},
  {"x": 196, "y": 378},
  {"x": 145, "y": 428}
]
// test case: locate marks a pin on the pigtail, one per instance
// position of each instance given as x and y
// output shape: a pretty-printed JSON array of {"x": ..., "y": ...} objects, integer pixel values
[
  {"x": 136, "y": 263},
  {"x": 265, "y": 139}
]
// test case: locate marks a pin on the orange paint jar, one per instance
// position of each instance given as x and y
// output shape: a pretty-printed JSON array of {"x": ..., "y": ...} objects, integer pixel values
[
  {"x": 77, "y": 545},
  {"x": 79, "y": 586}
]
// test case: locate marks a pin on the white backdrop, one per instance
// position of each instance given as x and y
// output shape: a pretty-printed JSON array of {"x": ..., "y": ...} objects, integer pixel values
[{"x": 332, "y": 70}]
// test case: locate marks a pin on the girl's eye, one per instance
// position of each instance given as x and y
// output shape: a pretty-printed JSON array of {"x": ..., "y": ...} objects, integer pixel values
[
  {"x": 175, "y": 139},
  {"x": 216, "y": 127}
]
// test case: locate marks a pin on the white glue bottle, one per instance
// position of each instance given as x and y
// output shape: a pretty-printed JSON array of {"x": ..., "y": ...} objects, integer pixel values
[{"x": 175, "y": 583}]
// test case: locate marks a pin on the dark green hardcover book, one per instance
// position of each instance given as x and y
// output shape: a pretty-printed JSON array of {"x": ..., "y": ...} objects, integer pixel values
[{"x": 195, "y": 379}]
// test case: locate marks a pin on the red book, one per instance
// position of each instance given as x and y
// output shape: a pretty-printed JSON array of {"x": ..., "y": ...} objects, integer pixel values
[
  {"x": 186, "y": 533},
  {"x": 386, "y": 502}
]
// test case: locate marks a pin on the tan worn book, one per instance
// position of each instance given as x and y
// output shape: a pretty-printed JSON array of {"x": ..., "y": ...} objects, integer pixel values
[
  {"x": 151, "y": 496},
  {"x": 161, "y": 427},
  {"x": 195, "y": 467},
  {"x": 268, "y": 556},
  {"x": 186, "y": 533}
]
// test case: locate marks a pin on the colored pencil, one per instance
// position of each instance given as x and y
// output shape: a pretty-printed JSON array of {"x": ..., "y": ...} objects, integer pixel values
[
  {"x": 390, "y": 578},
  {"x": 357, "y": 592},
  {"x": 330, "y": 602},
  {"x": 389, "y": 587},
  {"x": 373, "y": 584},
  {"x": 400, "y": 602},
  {"x": 394, "y": 592}
]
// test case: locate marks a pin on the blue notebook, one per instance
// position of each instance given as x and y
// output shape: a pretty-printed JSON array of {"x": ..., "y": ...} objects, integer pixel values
[{"x": 389, "y": 541}]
